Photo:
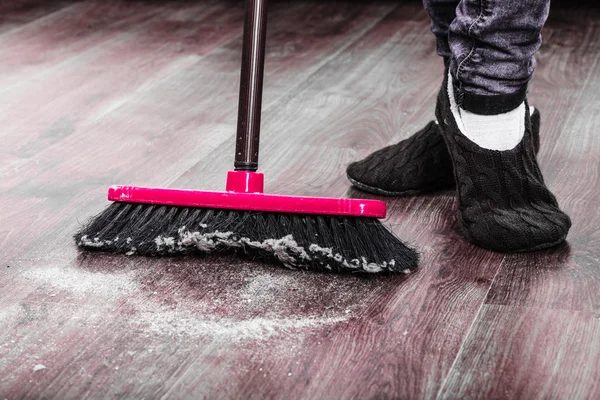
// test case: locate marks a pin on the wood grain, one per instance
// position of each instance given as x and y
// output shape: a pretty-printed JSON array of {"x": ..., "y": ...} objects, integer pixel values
[
  {"x": 318, "y": 120},
  {"x": 17, "y": 14},
  {"x": 67, "y": 86},
  {"x": 528, "y": 353},
  {"x": 95, "y": 93},
  {"x": 536, "y": 335},
  {"x": 567, "y": 277},
  {"x": 68, "y": 138},
  {"x": 160, "y": 113}
]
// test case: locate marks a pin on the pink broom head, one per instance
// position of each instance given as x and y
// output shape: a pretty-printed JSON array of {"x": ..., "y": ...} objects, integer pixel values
[{"x": 244, "y": 191}]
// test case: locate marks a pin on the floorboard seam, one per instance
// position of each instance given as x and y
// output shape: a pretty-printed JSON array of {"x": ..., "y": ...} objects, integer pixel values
[
  {"x": 466, "y": 337},
  {"x": 38, "y": 19},
  {"x": 274, "y": 103},
  {"x": 141, "y": 89},
  {"x": 580, "y": 93},
  {"x": 80, "y": 54}
]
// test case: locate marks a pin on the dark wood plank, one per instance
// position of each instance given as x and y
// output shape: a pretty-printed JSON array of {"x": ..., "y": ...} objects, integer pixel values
[
  {"x": 335, "y": 111},
  {"x": 15, "y": 14},
  {"x": 526, "y": 353},
  {"x": 568, "y": 277},
  {"x": 160, "y": 114},
  {"x": 145, "y": 322},
  {"x": 89, "y": 86},
  {"x": 323, "y": 119},
  {"x": 342, "y": 80},
  {"x": 537, "y": 335},
  {"x": 65, "y": 34},
  {"x": 63, "y": 129},
  {"x": 89, "y": 342}
]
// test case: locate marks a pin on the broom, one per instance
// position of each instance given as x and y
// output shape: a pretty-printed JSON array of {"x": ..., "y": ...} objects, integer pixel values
[{"x": 333, "y": 234}]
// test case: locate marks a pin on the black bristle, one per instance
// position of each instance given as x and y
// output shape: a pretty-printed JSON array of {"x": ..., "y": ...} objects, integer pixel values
[{"x": 315, "y": 242}]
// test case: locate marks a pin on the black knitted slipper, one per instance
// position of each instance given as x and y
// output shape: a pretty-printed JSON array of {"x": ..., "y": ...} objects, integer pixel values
[
  {"x": 503, "y": 202},
  {"x": 415, "y": 165}
]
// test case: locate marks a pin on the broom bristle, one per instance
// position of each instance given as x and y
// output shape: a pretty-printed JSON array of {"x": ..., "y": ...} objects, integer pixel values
[{"x": 315, "y": 242}]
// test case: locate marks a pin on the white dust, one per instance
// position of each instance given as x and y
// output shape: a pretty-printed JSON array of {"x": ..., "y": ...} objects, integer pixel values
[
  {"x": 82, "y": 282},
  {"x": 192, "y": 317}
]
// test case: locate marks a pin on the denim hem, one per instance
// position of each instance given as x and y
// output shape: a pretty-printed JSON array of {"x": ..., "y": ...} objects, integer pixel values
[{"x": 490, "y": 104}]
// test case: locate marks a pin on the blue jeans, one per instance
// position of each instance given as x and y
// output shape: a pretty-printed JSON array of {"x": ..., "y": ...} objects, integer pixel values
[{"x": 489, "y": 46}]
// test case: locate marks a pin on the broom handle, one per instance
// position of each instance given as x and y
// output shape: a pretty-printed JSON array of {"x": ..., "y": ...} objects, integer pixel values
[{"x": 251, "y": 85}]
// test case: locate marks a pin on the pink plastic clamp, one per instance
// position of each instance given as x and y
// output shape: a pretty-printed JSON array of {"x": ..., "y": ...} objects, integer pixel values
[{"x": 244, "y": 191}]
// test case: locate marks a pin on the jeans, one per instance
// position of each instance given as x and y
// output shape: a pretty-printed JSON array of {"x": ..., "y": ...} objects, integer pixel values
[{"x": 489, "y": 46}]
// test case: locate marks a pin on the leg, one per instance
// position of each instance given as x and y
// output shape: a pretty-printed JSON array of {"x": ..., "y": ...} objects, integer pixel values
[
  {"x": 493, "y": 43},
  {"x": 504, "y": 204},
  {"x": 442, "y": 13},
  {"x": 420, "y": 163}
]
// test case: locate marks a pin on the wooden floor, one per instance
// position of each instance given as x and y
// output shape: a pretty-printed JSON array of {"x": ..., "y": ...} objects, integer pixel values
[{"x": 100, "y": 92}]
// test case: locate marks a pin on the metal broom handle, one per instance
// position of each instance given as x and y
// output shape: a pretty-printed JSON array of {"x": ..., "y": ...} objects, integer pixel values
[{"x": 251, "y": 85}]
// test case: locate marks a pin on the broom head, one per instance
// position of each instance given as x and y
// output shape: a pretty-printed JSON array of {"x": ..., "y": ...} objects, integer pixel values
[{"x": 333, "y": 234}]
